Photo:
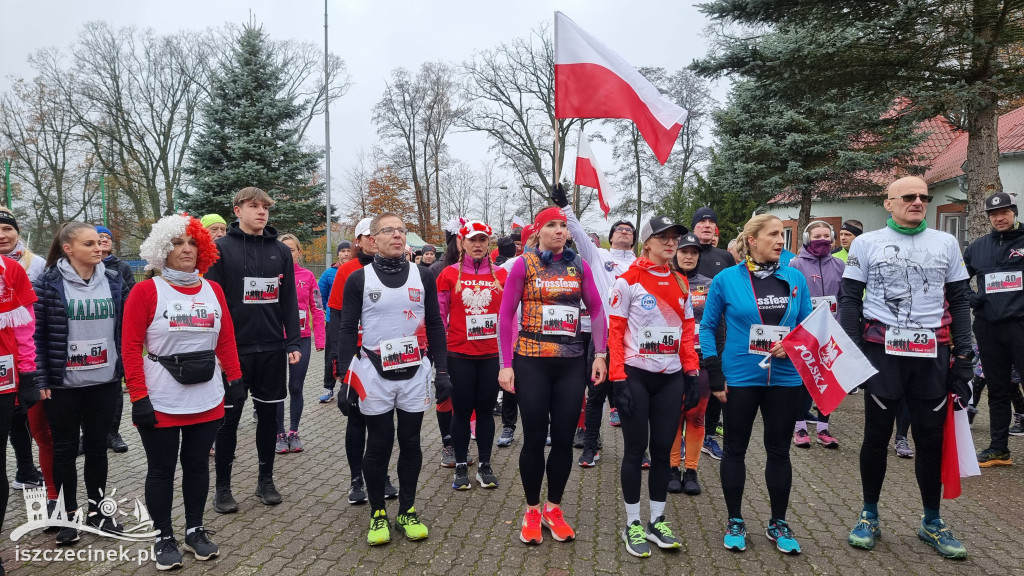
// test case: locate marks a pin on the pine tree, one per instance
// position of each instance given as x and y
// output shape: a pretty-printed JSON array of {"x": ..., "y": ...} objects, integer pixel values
[{"x": 249, "y": 136}]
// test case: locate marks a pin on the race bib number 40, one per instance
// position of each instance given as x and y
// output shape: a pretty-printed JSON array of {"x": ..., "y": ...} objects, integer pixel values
[
  {"x": 7, "y": 372},
  {"x": 260, "y": 290},
  {"x": 183, "y": 315},
  {"x": 658, "y": 341},
  {"x": 763, "y": 337},
  {"x": 87, "y": 354},
  {"x": 481, "y": 326},
  {"x": 997, "y": 282},
  {"x": 400, "y": 353},
  {"x": 919, "y": 343},
  {"x": 560, "y": 320}
]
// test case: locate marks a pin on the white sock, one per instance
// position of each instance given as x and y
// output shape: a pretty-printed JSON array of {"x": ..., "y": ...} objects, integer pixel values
[
  {"x": 191, "y": 530},
  {"x": 657, "y": 510},
  {"x": 632, "y": 513}
]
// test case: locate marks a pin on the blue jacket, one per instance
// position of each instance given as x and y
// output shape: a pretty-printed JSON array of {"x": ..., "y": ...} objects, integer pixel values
[
  {"x": 325, "y": 282},
  {"x": 731, "y": 294}
]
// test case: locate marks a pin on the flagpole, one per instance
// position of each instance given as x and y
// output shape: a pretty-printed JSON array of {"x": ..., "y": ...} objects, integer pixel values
[
  {"x": 327, "y": 143},
  {"x": 7, "y": 181},
  {"x": 103, "y": 199}
]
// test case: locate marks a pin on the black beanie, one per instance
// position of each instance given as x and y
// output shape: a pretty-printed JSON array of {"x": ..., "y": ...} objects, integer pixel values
[
  {"x": 611, "y": 231},
  {"x": 8, "y": 218}
]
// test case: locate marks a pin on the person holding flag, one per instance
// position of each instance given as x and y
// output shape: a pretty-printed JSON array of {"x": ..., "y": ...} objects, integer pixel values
[
  {"x": 908, "y": 271},
  {"x": 760, "y": 302}
]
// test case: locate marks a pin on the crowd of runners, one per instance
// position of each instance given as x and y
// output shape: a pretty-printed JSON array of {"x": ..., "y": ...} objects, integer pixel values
[{"x": 542, "y": 329}]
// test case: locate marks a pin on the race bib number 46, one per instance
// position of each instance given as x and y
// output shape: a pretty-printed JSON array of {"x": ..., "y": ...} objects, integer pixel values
[
  {"x": 560, "y": 320},
  {"x": 997, "y": 282},
  {"x": 481, "y": 326},
  {"x": 87, "y": 354},
  {"x": 400, "y": 353},
  {"x": 919, "y": 343},
  {"x": 763, "y": 337},
  {"x": 658, "y": 341},
  {"x": 260, "y": 290}
]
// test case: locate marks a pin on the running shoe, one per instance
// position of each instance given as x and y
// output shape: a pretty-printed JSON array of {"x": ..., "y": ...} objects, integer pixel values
[
  {"x": 223, "y": 500},
  {"x": 990, "y": 457},
  {"x": 636, "y": 540},
  {"x": 255, "y": 418},
  {"x": 380, "y": 529},
  {"x": 294, "y": 442},
  {"x": 613, "y": 418},
  {"x": 327, "y": 396},
  {"x": 645, "y": 463},
  {"x": 461, "y": 481},
  {"x": 801, "y": 439},
  {"x": 531, "y": 532},
  {"x": 409, "y": 523},
  {"x": 282, "y": 444},
  {"x": 658, "y": 531},
  {"x": 855, "y": 391},
  {"x": 356, "y": 491},
  {"x": 711, "y": 448},
  {"x": 116, "y": 443},
  {"x": 577, "y": 440},
  {"x": 67, "y": 535},
  {"x": 736, "y": 535},
  {"x": 199, "y": 544},
  {"x": 690, "y": 484},
  {"x": 30, "y": 478},
  {"x": 166, "y": 552},
  {"x": 548, "y": 441},
  {"x": 51, "y": 507},
  {"x": 497, "y": 408},
  {"x": 675, "y": 480},
  {"x": 448, "y": 457},
  {"x": 866, "y": 532},
  {"x": 104, "y": 523},
  {"x": 390, "y": 492},
  {"x": 589, "y": 458},
  {"x": 940, "y": 537},
  {"x": 903, "y": 449},
  {"x": 554, "y": 520},
  {"x": 1017, "y": 429},
  {"x": 778, "y": 531},
  {"x": 485, "y": 476},
  {"x": 508, "y": 434},
  {"x": 266, "y": 491},
  {"x": 718, "y": 431},
  {"x": 827, "y": 440}
]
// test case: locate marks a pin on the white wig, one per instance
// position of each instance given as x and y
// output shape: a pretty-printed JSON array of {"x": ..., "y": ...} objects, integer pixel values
[{"x": 157, "y": 246}]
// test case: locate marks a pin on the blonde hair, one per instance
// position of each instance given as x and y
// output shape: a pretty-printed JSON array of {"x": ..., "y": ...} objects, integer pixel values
[
  {"x": 293, "y": 238},
  {"x": 752, "y": 228},
  {"x": 683, "y": 283}
]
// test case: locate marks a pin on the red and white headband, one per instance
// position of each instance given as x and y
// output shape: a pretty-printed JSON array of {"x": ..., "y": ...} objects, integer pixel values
[{"x": 473, "y": 228}]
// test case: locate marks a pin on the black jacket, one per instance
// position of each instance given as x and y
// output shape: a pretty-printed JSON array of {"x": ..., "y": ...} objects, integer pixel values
[
  {"x": 713, "y": 260},
  {"x": 51, "y": 334},
  {"x": 123, "y": 268},
  {"x": 996, "y": 252},
  {"x": 258, "y": 327}
]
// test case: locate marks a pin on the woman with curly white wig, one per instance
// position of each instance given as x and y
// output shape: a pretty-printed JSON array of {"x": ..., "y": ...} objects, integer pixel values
[{"x": 177, "y": 326}]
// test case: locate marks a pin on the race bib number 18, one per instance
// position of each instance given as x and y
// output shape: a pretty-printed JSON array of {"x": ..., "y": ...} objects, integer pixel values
[
  {"x": 183, "y": 315},
  {"x": 918, "y": 343}
]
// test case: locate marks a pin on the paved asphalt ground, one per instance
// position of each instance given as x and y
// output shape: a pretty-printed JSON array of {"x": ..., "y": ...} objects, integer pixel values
[{"x": 315, "y": 531}]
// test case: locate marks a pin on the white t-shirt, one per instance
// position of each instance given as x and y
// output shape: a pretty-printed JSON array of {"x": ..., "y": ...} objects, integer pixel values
[{"x": 905, "y": 275}]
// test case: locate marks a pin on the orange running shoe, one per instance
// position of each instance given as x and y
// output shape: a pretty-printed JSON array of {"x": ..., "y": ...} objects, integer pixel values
[
  {"x": 554, "y": 521},
  {"x": 531, "y": 533}
]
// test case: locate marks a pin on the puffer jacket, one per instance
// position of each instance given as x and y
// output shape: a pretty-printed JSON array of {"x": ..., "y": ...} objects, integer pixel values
[{"x": 51, "y": 334}]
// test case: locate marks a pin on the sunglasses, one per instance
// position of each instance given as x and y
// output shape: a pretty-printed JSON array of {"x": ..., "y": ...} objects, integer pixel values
[{"x": 909, "y": 198}]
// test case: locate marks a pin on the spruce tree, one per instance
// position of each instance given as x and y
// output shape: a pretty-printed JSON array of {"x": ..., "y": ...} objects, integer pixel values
[{"x": 249, "y": 137}]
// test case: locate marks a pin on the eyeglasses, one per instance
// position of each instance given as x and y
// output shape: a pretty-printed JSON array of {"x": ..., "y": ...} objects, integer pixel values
[
  {"x": 909, "y": 198},
  {"x": 624, "y": 229},
  {"x": 390, "y": 231},
  {"x": 667, "y": 238}
]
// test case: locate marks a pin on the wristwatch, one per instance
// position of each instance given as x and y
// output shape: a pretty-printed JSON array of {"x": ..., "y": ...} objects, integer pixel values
[
  {"x": 969, "y": 355},
  {"x": 603, "y": 355}
]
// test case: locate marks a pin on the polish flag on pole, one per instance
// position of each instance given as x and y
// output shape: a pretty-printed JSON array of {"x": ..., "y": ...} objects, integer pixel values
[
  {"x": 517, "y": 222},
  {"x": 958, "y": 457},
  {"x": 592, "y": 81},
  {"x": 829, "y": 363},
  {"x": 589, "y": 174},
  {"x": 355, "y": 376}
]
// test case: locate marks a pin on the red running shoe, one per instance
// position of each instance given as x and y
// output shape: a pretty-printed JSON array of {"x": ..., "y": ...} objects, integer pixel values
[
  {"x": 531, "y": 532},
  {"x": 554, "y": 521}
]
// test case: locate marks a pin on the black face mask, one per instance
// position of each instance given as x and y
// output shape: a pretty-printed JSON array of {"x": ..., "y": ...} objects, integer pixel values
[{"x": 390, "y": 265}]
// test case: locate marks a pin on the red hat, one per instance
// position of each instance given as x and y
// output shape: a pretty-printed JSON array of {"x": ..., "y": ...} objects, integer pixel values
[
  {"x": 548, "y": 214},
  {"x": 474, "y": 228},
  {"x": 529, "y": 230}
]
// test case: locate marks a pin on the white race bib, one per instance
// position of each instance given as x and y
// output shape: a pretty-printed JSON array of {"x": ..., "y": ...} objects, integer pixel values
[
  {"x": 260, "y": 290},
  {"x": 763, "y": 337},
  {"x": 830, "y": 301},
  {"x": 919, "y": 343},
  {"x": 7, "y": 372},
  {"x": 481, "y": 326},
  {"x": 302, "y": 319},
  {"x": 997, "y": 282},
  {"x": 400, "y": 353},
  {"x": 183, "y": 315},
  {"x": 86, "y": 354},
  {"x": 560, "y": 320},
  {"x": 658, "y": 341}
]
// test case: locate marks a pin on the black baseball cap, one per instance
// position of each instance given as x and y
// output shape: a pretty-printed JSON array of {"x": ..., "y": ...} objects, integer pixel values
[
  {"x": 1000, "y": 200},
  {"x": 689, "y": 240},
  {"x": 658, "y": 224}
]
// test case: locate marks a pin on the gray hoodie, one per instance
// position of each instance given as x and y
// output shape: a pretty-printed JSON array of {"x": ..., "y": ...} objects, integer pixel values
[{"x": 92, "y": 354}]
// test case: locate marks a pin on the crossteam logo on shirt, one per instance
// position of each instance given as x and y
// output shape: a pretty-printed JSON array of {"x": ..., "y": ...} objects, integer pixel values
[
  {"x": 772, "y": 302},
  {"x": 556, "y": 284}
]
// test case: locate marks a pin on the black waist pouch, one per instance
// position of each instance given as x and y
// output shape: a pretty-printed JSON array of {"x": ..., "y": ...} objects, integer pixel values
[{"x": 189, "y": 367}]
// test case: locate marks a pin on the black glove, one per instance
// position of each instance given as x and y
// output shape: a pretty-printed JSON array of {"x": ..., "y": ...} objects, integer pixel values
[
  {"x": 558, "y": 196},
  {"x": 716, "y": 379},
  {"x": 691, "y": 389},
  {"x": 442, "y": 387},
  {"x": 234, "y": 393},
  {"x": 506, "y": 247},
  {"x": 28, "y": 394},
  {"x": 347, "y": 398},
  {"x": 958, "y": 382},
  {"x": 143, "y": 414},
  {"x": 623, "y": 397}
]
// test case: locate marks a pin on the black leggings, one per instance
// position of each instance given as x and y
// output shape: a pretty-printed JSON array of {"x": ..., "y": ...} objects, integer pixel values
[
  {"x": 805, "y": 408},
  {"x": 296, "y": 381},
  {"x": 927, "y": 425},
  {"x": 657, "y": 407},
  {"x": 89, "y": 409},
  {"x": 779, "y": 406},
  {"x": 6, "y": 412},
  {"x": 712, "y": 415},
  {"x": 266, "y": 437},
  {"x": 509, "y": 410},
  {"x": 355, "y": 439},
  {"x": 380, "y": 441},
  {"x": 162, "y": 457},
  {"x": 21, "y": 441},
  {"x": 474, "y": 387},
  {"x": 548, "y": 390}
]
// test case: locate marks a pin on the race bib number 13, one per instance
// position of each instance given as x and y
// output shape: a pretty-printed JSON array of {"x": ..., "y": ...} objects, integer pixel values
[{"x": 560, "y": 320}]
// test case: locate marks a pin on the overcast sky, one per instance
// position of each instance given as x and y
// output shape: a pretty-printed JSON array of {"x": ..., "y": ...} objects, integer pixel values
[{"x": 374, "y": 37}]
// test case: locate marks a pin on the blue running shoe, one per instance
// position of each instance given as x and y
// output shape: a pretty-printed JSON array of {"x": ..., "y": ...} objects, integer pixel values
[
  {"x": 736, "y": 535},
  {"x": 940, "y": 537},
  {"x": 613, "y": 418},
  {"x": 778, "y": 531},
  {"x": 865, "y": 532},
  {"x": 327, "y": 396},
  {"x": 711, "y": 448}
]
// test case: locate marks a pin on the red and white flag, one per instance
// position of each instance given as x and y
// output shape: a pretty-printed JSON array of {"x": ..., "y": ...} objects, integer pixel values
[
  {"x": 829, "y": 363},
  {"x": 517, "y": 222},
  {"x": 588, "y": 173},
  {"x": 355, "y": 376},
  {"x": 592, "y": 81},
  {"x": 958, "y": 457}
]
